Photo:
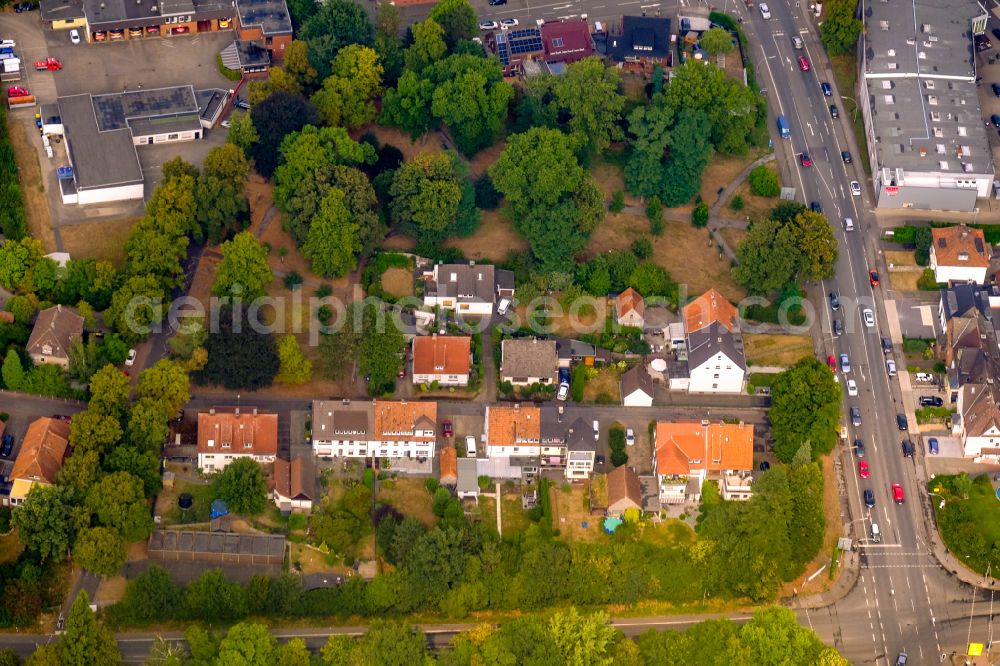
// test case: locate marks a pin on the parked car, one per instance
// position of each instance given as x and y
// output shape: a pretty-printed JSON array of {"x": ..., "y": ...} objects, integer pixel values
[
  {"x": 63, "y": 417},
  {"x": 496, "y": 3},
  {"x": 897, "y": 493},
  {"x": 242, "y": 104},
  {"x": 804, "y": 160},
  {"x": 859, "y": 448},
  {"x": 996, "y": 32},
  {"x": 924, "y": 377},
  {"x": 509, "y": 22},
  {"x": 901, "y": 657},
  {"x": 996, "y": 89},
  {"x": 25, "y": 7},
  {"x": 873, "y": 277},
  {"x": 597, "y": 430},
  {"x": 886, "y": 346},
  {"x": 907, "y": 447},
  {"x": 804, "y": 63},
  {"x": 863, "y": 469},
  {"x": 995, "y": 120},
  {"x": 74, "y": 37},
  {"x": 932, "y": 445},
  {"x": 488, "y": 25},
  {"x": 563, "y": 391},
  {"x": 856, "y": 416},
  {"x": 832, "y": 362},
  {"x": 869, "y": 498},
  {"x": 447, "y": 429},
  {"x": 931, "y": 401},
  {"x": 8, "y": 445},
  {"x": 764, "y": 466},
  {"x": 629, "y": 437},
  {"x": 845, "y": 363},
  {"x": 563, "y": 374},
  {"x": 130, "y": 360},
  {"x": 816, "y": 207},
  {"x": 901, "y": 422},
  {"x": 827, "y": 90},
  {"x": 838, "y": 327}
]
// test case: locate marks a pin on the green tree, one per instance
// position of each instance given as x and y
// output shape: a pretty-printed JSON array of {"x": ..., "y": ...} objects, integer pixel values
[
  {"x": 248, "y": 644},
  {"x": 817, "y": 245},
  {"x": 222, "y": 207},
  {"x": 278, "y": 116},
  {"x": 347, "y": 97},
  {"x": 239, "y": 357},
  {"x": 109, "y": 391},
  {"x": 426, "y": 193},
  {"x": 391, "y": 644},
  {"x": 379, "y": 351},
  {"x": 583, "y": 640},
  {"x": 100, "y": 550},
  {"x": 165, "y": 383},
  {"x": 296, "y": 63},
  {"x": 119, "y": 501},
  {"x": 767, "y": 259},
  {"x": 471, "y": 97},
  {"x": 46, "y": 523},
  {"x": 9, "y": 658},
  {"x": 293, "y": 653},
  {"x": 729, "y": 107},
  {"x": 152, "y": 595},
  {"x": 588, "y": 93},
  {"x": 333, "y": 243},
  {"x": 387, "y": 44},
  {"x": 554, "y": 202},
  {"x": 295, "y": 367},
  {"x": 79, "y": 472},
  {"x": 86, "y": 641},
  {"x": 242, "y": 132},
  {"x": 408, "y": 105},
  {"x": 12, "y": 371},
  {"x": 715, "y": 41},
  {"x": 650, "y": 279},
  {"x": 244, "y": 271},
  {"x": 93, "y": 431},
  {"x": 336, "y": 25},
  {"x": 241, "y": 483},
  {"x": 147, "y": 428},
  {"x": 805, "y": 407},
  {"x": 457, "y": 18},
  {"x": 690, "y": 151},
  {"x": 428, "y": 45},
  {"x": 136, "y": 307},
  {"x": 840, "y": 29},
  {"x": 700, "y": 215},
  {"x": 212, "y": 597},
  {"x": 17, "y": 258}
]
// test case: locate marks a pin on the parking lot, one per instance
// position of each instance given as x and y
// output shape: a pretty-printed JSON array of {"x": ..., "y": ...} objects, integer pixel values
[
  {"x": 22, "y": 410},
  {"x": 107, "y": 68}
]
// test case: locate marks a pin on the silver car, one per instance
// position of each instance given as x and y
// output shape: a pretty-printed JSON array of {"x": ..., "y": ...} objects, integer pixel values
[{"x": 869, "y": 318}]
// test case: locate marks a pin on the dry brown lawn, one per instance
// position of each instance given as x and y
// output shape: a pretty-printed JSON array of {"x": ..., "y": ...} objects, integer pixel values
[
  {"x": 900, "y": 258},
  {"x": 904, "y": 280},
  {"x": 398, "y": 282},
  {"x": 204, "y": 277},
  {"x": 755, "y": 207},
  {"x": 484, "y": 159},
  {"x": 428, "y": 143},
  {"x": 10, "y": 547},
  {"x": 572, "y": 324},
  {"x": 607, "y": 382},
  {"x": 410, "y": 497},
  {"x": 775, "y": 349},
  {"x": 312, "y": 560},
  {"x": 515, "y": 518},
  {"x": 36, "y": 205},
  {"x": 687, "y": 253},
  {"x": 611, "y": 179},
  {"x": 399, "y": 243},
  {"x": 733, "y": 236},
  {"x": 98, "y": 240},
  {"x": 572, "y": 510},
  {"x": 110, "y": 590},
  {"x": 721, "y": 171},
  {"x": 493, "y": 240}
]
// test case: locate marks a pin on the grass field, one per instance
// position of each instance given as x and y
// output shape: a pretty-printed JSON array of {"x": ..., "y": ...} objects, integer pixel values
[
  {"x": 776, "y": 350},
  {"x": 845, "y": 71},
  {"x": 398, "y": 282},
  {"x": 721, "y": 171},
  {"x": 607, "y": 383},
  {"x": 900, "y": 258},
  {"x": 410, "y": 497},
  {"x": 904, "y": 280},
  {"x": 969, "y": 525},
  {"x": 36, "y": 205},
  {"x": 98, "y": 240},
  {"x": 755, "y": 207},
  {"x": 572, "y": 510},
  {"x": 493, "y": 240},
  {"x": 10, "y": 547}
]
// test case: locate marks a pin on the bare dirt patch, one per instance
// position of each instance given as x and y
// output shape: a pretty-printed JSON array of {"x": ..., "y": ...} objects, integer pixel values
[
  {"x": 104, "y": 240},
  {"x": 775, "y": 349},
  {"x": 204, "y": 276},
  {"x": 400, "y": 243},
  {"x": 573, "y": 510},
  {"x": 398, "y": 282},
  {"x": 605, "y": 385},
  {"x": 493, "y": 240},
  {"x": 484, "y": 159},
  {"x": 36, "y": 205},
  {"x": 410, "y": 497},
  {"x": 688, "y": 254},
  {"x": 428, "y": 143}
]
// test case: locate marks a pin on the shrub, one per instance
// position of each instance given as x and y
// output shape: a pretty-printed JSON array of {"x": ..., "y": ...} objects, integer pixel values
[
  {"x": 484, "y": 482},
  {"x": 764, "y": 182},
  {"x": 657, "y": 227},
  {"x": 922, "y": 240},
  {"x": 292, "y": 280},
  {"x": 642, "y": 247},
  {"x": 323, "y": 290},
  {"x": 736, "y": 203},
  {"x": 578, "y": 382},
  {"x": 230, "y": 74},
  {"x": 699, "y": 216},
  {"x": 927, "y": 281},
  {"x": 617, "y": 202},
  {"x": 487, "y": 196}
]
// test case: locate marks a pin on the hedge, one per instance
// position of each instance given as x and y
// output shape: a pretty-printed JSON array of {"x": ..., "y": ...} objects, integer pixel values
[{"x": 12, "y": 224}]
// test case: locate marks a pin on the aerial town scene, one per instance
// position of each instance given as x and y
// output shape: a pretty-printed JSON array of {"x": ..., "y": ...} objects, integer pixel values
[{"x": 497, "y": 333}]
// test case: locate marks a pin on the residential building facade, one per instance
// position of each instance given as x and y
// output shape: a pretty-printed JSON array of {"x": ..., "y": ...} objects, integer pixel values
[
  {"x": 513, "y": 431},
  {"x": 341, "y": 428},
  {"x": 581, "y": 446},
  {"x": 630, "y": 309},
  {"x": 225, "y": 435},
  {"x": 637, "y": 387},
  {"x": 686, "y": 453},
  {"x": 403, "y": 429},
  {"x": 294, "y": 484}
]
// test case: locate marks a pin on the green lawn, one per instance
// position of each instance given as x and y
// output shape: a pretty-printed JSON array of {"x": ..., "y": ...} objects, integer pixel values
[
  {"x": 970, "y": 526},
  {"x": 845, "y": 70}
]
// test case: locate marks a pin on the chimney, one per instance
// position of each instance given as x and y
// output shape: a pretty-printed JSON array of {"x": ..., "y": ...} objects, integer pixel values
[
  {"x": 923, "y": 151},
  {"x": 255, "y": 411},
  {"x": 237, "y": 411},
  {"x": 211, "y": 411}
]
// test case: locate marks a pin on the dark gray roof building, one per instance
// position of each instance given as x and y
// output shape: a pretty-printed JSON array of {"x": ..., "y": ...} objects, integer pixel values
[
  {"x": 715, "y": 338},
  {"x": 642, "y": 38},
  {"x": 526, "y": 360},
  {"x": 580, "y": 436}
]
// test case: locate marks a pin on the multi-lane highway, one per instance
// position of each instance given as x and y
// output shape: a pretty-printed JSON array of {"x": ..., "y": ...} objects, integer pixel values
[{"x": 903, "y": 600}]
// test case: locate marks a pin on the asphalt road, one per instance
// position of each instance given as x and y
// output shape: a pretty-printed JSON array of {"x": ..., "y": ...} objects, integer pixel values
[{"x": 903, "y": 600}]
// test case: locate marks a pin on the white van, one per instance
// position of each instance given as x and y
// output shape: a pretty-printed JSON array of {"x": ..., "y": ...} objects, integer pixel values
[
  {"x": 503, "y": 306},
  {"x": 848, "y": 224},
  {"x": 890, "y": 365},
  {"x": 876, "y": 535},
  {"x": 470, "y": 446}
]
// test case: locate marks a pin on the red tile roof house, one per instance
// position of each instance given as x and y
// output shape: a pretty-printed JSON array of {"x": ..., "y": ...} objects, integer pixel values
[
  {"x": 444, "y": 359},
  {"x": 685, "y": 453},
  {"x": 224, "y": 436},
  {"x": 566, "y": 41},
  {"x": 294, "y": 484}
]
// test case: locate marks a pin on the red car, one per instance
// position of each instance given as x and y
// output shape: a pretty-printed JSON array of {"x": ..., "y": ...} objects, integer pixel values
[
  {"x": 832, "y": 362},
  {"x": 446, "y": 429},
  {"x": 863, "y": 469},
  {"x": 804, "y": 63},
  {"x": 805, "y": 161},
  {"x": 17, "y": 91},
  {"x": 897, "y": 493},
  {"x": 873, "y": 277}
]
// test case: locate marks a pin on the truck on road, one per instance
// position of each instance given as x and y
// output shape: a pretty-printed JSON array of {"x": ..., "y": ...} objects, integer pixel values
[{"x": 786, "y": 132}]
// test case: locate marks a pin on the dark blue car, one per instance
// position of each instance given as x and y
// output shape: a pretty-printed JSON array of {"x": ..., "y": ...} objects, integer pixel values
[
  {"x": 8, "y": 446},
  {"x": 563, "y": 375}
]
